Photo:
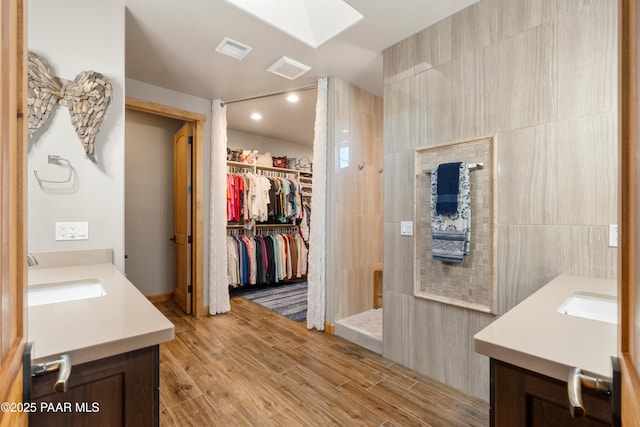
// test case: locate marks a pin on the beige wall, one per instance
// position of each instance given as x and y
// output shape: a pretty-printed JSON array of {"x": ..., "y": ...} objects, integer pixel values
[
  {"x": 149, "y": 201},
  {"x": 541, "y": 76},
  {"x": 237, "y": 140},
  {"x": 355, "y": 226},
  {"x": 162, "y": 96},
  {"x": 95, "y": 193}
]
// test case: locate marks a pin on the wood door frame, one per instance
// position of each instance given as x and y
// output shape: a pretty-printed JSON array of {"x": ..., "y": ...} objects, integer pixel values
[
  {"x": 197, "y": 182},
  {"x": 629, "y": 125},
  {"x": 13, "y": 209}
]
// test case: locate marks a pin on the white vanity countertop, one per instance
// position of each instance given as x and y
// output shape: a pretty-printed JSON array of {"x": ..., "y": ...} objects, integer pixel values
[
  {"x": 118, "y": 322},
  {"x": 535, "y": 336}
]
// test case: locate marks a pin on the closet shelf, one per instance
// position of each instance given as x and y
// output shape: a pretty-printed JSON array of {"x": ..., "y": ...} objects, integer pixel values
[
  {"x": 259, "y": 167},
  {"x": 240, "y": 164}
]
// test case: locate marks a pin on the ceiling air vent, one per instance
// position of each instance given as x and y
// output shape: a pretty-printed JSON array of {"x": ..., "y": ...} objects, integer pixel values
[
  {"x": 288, "y": 68},
  {"x": 233, "y": 48}
]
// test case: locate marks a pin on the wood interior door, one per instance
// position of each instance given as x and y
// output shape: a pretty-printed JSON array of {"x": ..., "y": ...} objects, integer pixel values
[
  {"x": 13, "y": 114},
  {"x": 629, "y": 249},
  {"x": 182, "y": 216}
]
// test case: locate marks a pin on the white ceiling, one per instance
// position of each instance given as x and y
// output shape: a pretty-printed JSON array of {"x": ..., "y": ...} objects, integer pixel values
[
  {"x": 171, "y": 44},
  {"x": 281, "y": 119}
]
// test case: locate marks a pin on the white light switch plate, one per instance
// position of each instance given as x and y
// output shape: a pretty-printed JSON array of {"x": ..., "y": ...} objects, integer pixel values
[
  {"x": 613, "y": 235},
  {"x": 72, "y": 231},
  {"x": 406, "y": 228}
]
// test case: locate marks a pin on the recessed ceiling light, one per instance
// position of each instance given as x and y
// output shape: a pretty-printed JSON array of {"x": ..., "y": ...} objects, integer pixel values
[
  {"x": 256, "y": 116},
  {"x": 233, "y": 48},
  {"x": 293, "y": 98}
]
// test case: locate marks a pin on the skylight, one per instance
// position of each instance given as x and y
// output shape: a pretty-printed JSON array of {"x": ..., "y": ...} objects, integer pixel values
[{"x": 311, "y": 21}]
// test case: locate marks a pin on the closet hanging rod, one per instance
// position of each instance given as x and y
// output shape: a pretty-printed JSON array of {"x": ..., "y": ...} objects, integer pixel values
[
  {"x": 275, "y": 225},
  {"x": 472, "y": 167},
  {"x": 267, "y": 231},
  {"x": 277, "y": 170},
  {"x": 267, "y": 95}
]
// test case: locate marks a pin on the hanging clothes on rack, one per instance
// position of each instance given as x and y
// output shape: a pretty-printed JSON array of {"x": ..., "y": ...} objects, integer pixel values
[
  {"x": 236, "y": 194},
  {"x": 270, "y": 256},
  {"x": 262, "y": 197},
  {"x": 285, "y": 201}
]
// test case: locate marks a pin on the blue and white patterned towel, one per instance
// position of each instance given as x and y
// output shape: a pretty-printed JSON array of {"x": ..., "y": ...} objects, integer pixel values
[{"x": 451, "y": 234}]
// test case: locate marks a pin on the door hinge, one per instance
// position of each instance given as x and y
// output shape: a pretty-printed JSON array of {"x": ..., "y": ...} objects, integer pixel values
[
  {"x": 190, "y": 289},
  {"x": 188, "y": 189},
  {"x": 189, "y": 239},
  {"x": 190, "y": 139}
]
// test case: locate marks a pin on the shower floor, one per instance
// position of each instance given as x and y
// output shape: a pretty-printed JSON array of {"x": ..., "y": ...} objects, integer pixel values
[{"x": 364, "y": 329}]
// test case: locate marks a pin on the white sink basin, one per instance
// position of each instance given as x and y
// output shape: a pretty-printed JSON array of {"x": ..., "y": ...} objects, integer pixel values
[
  {"x": 51, "y": 293},
  {"x": 591, "y": 306}
]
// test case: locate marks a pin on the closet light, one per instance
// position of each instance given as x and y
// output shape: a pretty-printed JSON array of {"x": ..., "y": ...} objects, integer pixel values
[
  {"x": 293, "y": 98},
  {"x": 256, "y": 116}
]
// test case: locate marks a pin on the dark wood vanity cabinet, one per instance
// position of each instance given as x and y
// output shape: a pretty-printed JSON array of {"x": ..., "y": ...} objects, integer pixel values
[
  {"x": 120, "y": 390},
  {"x": 524, "y": 398}
]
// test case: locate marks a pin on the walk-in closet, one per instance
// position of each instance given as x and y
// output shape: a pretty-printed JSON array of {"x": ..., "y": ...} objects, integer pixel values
[
  {"x": 269, "y": 204},
  {"x": 352, "y": 218}
]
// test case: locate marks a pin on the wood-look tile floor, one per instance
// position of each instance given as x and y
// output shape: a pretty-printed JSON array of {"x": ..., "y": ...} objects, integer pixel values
[{"x": 253, "y": 367}]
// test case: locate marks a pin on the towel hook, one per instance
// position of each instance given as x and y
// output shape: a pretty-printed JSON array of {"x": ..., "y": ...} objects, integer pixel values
[{"x": 54, "y": 159}]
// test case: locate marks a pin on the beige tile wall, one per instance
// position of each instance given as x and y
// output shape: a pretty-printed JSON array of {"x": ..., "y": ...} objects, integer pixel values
[
  {"x": 540, "y": 75},
  {"x": 527, "y": 92},
  {"x": 474, "y": 78},
  {"x": 587, "y": 60},
  {"x": 474, "y": 27},
  {"x": 535, "y": 202},
  {"x": 357, "y": 207},
  {"x": 516, "y": 16}
]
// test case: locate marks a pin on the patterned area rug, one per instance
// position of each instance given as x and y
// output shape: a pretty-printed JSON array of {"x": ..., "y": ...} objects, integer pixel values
[{"x": 289, "y": 299}]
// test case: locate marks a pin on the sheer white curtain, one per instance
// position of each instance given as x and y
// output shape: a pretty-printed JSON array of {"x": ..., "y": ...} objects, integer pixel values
[
  {"x": 218, "y": 286},
  {"x": 316, "y": 276}
]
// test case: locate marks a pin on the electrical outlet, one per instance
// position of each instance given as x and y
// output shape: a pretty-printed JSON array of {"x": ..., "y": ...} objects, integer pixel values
[
  {"x": 72, "y": 231},
  {"x": 613, "y": 235}
]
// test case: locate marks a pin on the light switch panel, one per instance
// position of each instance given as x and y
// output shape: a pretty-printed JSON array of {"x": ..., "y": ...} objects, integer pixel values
[
  {"x": 72, "y": 231},
  {"x": 406, "y": 228},
  {"x": 613, "y": 235}
]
